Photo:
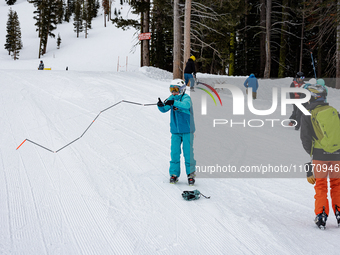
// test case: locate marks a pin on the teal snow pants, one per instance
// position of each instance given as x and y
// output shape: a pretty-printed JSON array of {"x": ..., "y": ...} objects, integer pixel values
[{"x": 188, "y": 151}]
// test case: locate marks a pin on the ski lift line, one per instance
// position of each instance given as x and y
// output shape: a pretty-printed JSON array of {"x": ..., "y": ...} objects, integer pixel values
[{"x": 123, "y": 101}]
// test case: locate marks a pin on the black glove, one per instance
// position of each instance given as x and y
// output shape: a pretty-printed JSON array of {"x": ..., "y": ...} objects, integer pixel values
[
  {"x": 160, "y": 103},
  {"x": 169, "y": 102}
]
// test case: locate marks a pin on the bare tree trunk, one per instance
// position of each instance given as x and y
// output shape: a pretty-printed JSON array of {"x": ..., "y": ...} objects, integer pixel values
[
  {"x": 268, "y": 27},
  {"x": 232, "y": 54},
  {"x": 262, "y": 37},
  {"x": 145, "y": 43},
  {"x": 319, "y": 58},
  {"x": 85, "y": 9},
  {"x": 337, "y": 85},
  {"x": 40, "y": 48},
  {"x": 45, "y": 44},
  {"x": 320, "y": 42},
  {"x": 187, "y": 21},
  {"x": 302, "y": 35},
  {"x": 282, "y": 62},
  {"x": 141, "y": 42},
  {"x": 85, "y": 29},
  {"x": 46, "y": 38},
  {"x": 109, "y": 17},
  {"x": 212, "y": 64},
  {"x": 177, "y": 43},
  {"x": 245, "y": 37},
  {"x": 40, "y": 32}
]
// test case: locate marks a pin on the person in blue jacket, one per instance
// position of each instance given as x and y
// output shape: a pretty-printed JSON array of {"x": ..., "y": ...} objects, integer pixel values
[
  {"x": 182, "y": 128},
  {"x": 252, "y": 82}
]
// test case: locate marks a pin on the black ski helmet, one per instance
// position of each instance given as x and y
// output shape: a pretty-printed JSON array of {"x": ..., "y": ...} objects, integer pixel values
[{"x": 300, "y": 75}]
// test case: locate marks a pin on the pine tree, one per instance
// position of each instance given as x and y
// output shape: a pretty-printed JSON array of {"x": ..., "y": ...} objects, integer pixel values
[
  {"x": 106, "y": 7},
  {"x": 89, "y": 12},
  {"x": 95, "y": 8},
  {"x": 86, "y": 16},
  {"x": 69, "y": 9},
  {"x": 161, "y": 49},
  {"x": 59, "y": 11},
  {"x": 46, "y": 21},
  {"x": 78, "y": 21},
  {"x": 17, "y": 41},
  {"x": 13, "y": 37},
  {"x": 142, "y": 8},
  {"x": 9, "y": 36},
  {"x": 10, "y": 2}
]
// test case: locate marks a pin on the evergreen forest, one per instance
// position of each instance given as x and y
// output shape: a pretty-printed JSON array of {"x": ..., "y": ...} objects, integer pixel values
[{"x": 270, "y": 38}]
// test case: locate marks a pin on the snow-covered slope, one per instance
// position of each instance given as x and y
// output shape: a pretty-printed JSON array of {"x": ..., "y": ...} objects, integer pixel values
[
  {"x": 108, "y": 192},
  {"x": 103, "y": 50}
]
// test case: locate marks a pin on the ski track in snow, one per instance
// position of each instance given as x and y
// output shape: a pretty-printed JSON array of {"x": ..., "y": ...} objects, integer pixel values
[{"x": 108, "y": 193}]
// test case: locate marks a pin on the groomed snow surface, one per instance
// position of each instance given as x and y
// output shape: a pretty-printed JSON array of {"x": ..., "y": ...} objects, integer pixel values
[{"x": 108, "y": 192}]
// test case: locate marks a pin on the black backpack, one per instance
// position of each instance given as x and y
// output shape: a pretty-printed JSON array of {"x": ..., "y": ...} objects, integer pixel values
[{"x": 192, "y": 195}]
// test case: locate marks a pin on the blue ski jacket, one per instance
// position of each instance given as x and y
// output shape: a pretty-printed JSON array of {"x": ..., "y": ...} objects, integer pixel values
[
  {"x": 252, "y": 82},
  {"x": 181, "y": 115}
]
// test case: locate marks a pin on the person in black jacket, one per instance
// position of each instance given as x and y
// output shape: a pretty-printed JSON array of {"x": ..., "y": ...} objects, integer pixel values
[
  {"x": 324, "y": 163},
  {"x": 41, "y": 65},
  {"x": 190, "y": 72},
  {"x": 296, "y": 114}
]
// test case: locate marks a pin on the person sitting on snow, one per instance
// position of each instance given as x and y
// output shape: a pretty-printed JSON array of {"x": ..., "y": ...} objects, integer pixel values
[{"x": 41, "y": 65}]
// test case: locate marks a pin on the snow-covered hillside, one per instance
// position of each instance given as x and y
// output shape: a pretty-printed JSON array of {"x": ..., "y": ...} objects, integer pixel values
[
  {"x": 108, "y": 192},
  {"x": 104, "y": 48}
]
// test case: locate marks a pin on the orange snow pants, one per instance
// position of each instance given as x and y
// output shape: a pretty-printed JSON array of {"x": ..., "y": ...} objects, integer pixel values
[{"x": 322, "y": 170}]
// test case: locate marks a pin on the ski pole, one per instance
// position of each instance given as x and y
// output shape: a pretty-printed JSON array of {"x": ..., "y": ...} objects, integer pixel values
[{"x": 311, "y": 54}]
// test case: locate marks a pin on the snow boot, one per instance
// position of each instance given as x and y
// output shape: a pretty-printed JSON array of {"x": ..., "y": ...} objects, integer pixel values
[
  {"x": 191, "y": 179},
  {"x": 173, "y": 179},
  {"x": 192, "y": 89},
  {"x": 320, "y": 219},
  {"x": 337, "y": 214}
]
